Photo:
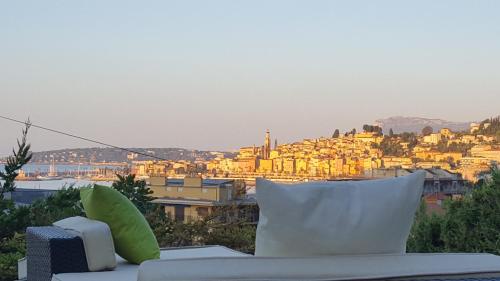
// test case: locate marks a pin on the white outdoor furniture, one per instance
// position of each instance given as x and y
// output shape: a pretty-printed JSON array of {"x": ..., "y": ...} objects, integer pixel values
[{"x": 128, "y": 272}]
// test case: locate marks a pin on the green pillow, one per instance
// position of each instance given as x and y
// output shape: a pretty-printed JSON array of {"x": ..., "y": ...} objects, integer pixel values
[{"x": 133, "y": 238}]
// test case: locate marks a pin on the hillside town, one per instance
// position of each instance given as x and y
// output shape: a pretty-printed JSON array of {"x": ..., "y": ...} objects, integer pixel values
[{"x": 350, "y": 155}]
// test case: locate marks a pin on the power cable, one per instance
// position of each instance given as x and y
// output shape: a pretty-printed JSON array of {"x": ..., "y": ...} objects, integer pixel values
[{"x": 81, "y": 138}]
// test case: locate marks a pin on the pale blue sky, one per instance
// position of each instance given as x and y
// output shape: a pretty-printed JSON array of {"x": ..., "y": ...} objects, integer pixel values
[{"x": 216, "y": 74}]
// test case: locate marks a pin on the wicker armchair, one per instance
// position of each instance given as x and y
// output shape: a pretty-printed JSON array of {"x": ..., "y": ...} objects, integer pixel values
[{"x": 53, "y": 250}]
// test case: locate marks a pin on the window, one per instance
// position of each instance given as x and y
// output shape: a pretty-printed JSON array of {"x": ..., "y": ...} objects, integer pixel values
[
  {"x": 204, "y": 190},
  {"x": 168, "y": 188},
  {"x": 202, "y": 211},
  {"x": 180, "y": 189},
  {"x": 436, "y": 186},
  {"x": 179, "y": 213}
]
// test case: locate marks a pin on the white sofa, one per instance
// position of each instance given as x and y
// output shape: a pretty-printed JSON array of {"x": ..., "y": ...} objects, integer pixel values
[
  {"x": 220, "y": 263},
  {"x": 128, "y": 272}
]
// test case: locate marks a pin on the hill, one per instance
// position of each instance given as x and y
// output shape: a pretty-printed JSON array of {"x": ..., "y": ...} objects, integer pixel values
[
  {"x": 400, "y": 124},
  {"x": 99, "y": 154}
]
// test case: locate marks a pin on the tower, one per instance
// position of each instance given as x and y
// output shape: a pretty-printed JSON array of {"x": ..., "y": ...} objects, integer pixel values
[{"x": 267, "y": 145}]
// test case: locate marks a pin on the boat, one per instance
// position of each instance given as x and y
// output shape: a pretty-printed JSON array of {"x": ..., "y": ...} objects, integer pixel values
[
  {"x": 52, "y": 174},
  {"x": 25, "y": 177}
]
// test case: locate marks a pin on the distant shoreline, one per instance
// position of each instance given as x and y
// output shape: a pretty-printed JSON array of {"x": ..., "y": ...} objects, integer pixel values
[{"x": 76, "y": 163}]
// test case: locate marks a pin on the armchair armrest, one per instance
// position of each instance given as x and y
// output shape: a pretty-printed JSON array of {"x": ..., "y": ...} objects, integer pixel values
[{"x": 53, "y": 250}]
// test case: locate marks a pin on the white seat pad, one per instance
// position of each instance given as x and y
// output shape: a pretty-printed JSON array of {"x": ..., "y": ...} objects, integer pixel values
[
  {"x": 364, "y": 267},
  {"x": 128, "y": 272}
]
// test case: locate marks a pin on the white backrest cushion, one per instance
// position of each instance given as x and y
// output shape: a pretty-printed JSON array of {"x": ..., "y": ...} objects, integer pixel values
[
  {"x": 97, "y": 241},
  {"x": 336, "y": 218}
]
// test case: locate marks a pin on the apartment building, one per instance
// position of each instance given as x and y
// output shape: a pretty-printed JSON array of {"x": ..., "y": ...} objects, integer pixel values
[{"x": 193, "y": 198}]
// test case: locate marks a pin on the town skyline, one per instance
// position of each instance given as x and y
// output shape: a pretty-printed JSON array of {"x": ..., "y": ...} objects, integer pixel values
[
  {"x": 466, "y": 153},
  {"x": 36, "y": 133}
]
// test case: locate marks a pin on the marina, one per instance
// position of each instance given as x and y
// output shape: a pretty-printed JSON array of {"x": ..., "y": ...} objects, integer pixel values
[{"x": 57, "y": 176}]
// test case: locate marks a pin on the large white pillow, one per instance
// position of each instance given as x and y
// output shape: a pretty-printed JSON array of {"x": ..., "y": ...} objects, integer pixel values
[{"x": 336, "y": 218}]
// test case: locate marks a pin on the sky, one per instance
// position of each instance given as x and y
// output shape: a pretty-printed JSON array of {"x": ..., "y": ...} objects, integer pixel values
[{"x": 216, "y": 74}]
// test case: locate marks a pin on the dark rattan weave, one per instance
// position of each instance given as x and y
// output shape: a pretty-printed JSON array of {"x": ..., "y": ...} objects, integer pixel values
[{"x": 53, "y": 250}]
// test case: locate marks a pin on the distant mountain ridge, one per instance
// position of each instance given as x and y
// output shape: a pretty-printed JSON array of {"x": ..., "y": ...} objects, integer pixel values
[
  {"x": 103, "y": 154},
  {"x": 400, "y": 124}
]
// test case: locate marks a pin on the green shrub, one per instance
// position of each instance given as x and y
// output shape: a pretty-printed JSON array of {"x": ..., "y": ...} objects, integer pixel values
[
  {"x": 471, "y": 224},
  {"x": 11, "y": 250},
  {"x": 62, "y": 204}
]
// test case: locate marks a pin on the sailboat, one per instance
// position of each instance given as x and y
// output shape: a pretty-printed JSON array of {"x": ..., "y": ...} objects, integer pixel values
[
  {"x": 78, "y": 176},
  {"x": 52, "y": 174}
]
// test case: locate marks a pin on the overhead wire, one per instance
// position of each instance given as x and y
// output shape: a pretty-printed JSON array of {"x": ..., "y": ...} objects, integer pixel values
[{"x": 81, "y": 138}]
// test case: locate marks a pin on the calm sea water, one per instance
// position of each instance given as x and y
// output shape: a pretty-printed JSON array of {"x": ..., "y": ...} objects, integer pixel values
[
  {"x": 58, "y": 184},
  {"x": 62, "y": 169}
]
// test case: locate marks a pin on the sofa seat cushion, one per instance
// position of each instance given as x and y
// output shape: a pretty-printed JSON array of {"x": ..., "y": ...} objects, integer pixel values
[
  {"x": 97, "y": 241},
  {"x": 128, "y": 272},
  {"x": 366, "y": 267}
]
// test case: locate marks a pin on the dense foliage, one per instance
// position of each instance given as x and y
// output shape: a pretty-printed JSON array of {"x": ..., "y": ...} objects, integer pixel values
[
  {"x": 14, "y": 220},
  {"x": 493, "y": 129},
  {"x": 135, "y": 190},
  {"x": 372, "y": 129},
  {"x": 391, "y": 144},
  {"x": 471, "y": 224},
  {"x": 391, "y": 147},
  {"x": 11, "y": 250},
  {"x": 228, "y": 226},
  {"x": 427, "y": 130},
  {"x": 463, "y": 148},
  {"x": 63, "y": 204}
]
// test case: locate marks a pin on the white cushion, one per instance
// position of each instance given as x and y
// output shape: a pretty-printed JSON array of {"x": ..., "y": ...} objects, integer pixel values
[
  {"x": 334, "y": 218},
  {"x": 409, "y": 266},
  {"x": 128, "y": 272},
  {"x": 97, "y": 241}
]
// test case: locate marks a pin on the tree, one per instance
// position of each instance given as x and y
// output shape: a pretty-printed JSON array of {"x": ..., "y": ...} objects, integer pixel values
[
  {"x": 353, "y": 132},
  {"x": 472, "y": 224},
  {"x": 490, "y": 127},
  {"x": 427, "y": 130},
  {"x": 391, "y": 133},
  {"x": 135, "y": 190},
  {"x": 15, "y": 162},
  {"x": 391, "y": 147},
  {"x": 240, "y": 237},
  {"x": 425, "y": 234},
  {"x": 372, "y": 129},
  {"x": 336, "y": 134},
  {"x": 11, "y": 250},
  {"x": 12, "y": 219},
  {"x": 60, "y": 205}
]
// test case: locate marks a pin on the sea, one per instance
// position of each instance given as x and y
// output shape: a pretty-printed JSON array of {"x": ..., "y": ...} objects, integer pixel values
[{"x": 31, "y": 169}]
